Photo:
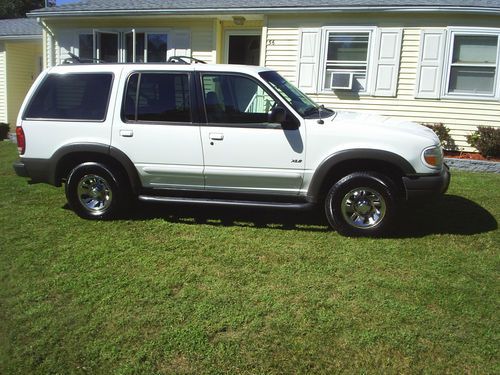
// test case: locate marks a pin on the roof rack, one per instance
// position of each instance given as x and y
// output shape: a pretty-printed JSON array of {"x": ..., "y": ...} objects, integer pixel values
[
  {"x": 182, "y": 60},
  {"x": 74, "y": 59}
]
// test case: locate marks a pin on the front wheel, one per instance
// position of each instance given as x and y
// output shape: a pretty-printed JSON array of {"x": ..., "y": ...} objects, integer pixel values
[
  {"x": 94, "y": 192},
  {"x": 361, "y": 204}
]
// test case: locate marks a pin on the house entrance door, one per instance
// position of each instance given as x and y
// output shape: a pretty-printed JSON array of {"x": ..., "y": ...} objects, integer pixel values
[{"x": 243, "y": 47}]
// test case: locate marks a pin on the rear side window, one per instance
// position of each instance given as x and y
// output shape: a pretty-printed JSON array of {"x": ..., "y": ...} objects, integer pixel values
[
  {"x": 74, "y": 96},
  {"x": 157, "y": 97}
]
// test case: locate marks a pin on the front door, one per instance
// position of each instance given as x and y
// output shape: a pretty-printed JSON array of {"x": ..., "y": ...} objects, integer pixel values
[
  {"x": 243, "y": 48},
  {"x": 157, "y": 131},
  {"x": 243, "y": 150}
]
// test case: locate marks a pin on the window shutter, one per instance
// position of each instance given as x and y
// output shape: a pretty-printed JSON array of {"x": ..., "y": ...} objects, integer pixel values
[
  {"x": 387, "y": 60},
  {"x": 309, "y": 48},
  {"x": 179, "y": 43},
  {"x": 430, "y": 63}
]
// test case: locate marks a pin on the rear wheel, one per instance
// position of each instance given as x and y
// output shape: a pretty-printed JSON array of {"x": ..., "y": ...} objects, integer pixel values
[
  {"x": 94, "y": 192},
  {"x": 361, "y": 204}
]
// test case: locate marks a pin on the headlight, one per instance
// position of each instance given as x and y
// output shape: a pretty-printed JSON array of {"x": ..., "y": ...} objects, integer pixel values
[{"x": 433, "y": 157}]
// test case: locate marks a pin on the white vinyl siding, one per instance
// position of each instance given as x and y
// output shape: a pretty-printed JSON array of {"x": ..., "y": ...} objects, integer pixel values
[
  {"x": 23, "y": 65},
  {"x": 460, "y": 116},
  {"x": 3, "y": 85}
]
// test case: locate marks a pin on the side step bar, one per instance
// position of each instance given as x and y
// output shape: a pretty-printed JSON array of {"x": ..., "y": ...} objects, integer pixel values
[{"x": 222, "y": 202}]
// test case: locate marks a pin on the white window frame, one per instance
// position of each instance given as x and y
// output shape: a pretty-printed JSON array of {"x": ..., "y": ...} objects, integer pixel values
[
  {"x": 370, "y": 63},
  {"x": 450, "y": 39}
]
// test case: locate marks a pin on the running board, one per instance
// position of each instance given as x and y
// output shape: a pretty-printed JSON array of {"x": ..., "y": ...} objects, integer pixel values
[{"x": 222, "y": 202}]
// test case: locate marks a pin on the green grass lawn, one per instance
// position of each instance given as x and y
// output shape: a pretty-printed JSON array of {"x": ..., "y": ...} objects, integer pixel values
[{"x": 197, "y": 290}]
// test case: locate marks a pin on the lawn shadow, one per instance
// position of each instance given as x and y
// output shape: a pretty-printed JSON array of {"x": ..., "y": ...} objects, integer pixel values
[
  {"x": 448, "y": 215},
  {"x": 282, "y": 219}
]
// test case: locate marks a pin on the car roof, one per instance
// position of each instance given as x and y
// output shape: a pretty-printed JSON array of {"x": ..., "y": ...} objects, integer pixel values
[{"x": 105, "y": 67}]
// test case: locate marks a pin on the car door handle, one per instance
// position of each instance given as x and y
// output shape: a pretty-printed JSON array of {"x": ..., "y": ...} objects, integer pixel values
[
  {"x": 127, "y": 133},
  {"x": 216, "y": 136}
]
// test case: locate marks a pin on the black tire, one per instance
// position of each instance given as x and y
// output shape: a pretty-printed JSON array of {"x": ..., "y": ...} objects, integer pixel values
[
  {"x": 95, "y": 192},
  {"x": 362, "y": 204}
]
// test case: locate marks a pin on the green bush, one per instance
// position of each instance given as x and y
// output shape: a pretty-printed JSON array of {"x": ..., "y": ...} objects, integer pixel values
[
  {"x": 4, "y": 130},
  {"x": 444, "y": 136},
  {"x": 486, "y": 139}
]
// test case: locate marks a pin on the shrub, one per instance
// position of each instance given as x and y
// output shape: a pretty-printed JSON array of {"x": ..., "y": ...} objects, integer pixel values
[
  {"x": 444, "y": 136},
  {"x": 4, "y": 130},
  {"x": 486, "y": 140}
]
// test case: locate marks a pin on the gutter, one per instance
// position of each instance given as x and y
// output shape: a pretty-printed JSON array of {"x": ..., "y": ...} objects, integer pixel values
[
  {"x": 283, "y": 10},
  {"x": 44, "y": 26},
  {"x": 20, "y": 37}
]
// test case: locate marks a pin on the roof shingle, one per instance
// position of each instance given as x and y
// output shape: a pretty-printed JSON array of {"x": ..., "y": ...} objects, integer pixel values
[
  {"x": 19, "y": 27},
  {"x": 164, "y": 5}
]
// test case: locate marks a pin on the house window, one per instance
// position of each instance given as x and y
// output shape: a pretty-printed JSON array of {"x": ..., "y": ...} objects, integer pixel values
[
  {"x": 149, "y": 47},
  {"x": 156, "y": 47},
  {"x": 473, "y": 67},
  {"x": 347, "y": 56},
  {"x": 110, "y": 46},
  {"x": 139, "y": 47}
]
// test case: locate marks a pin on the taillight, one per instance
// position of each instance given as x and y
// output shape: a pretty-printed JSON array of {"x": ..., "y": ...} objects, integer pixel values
[{"x": 21, "y": 140}]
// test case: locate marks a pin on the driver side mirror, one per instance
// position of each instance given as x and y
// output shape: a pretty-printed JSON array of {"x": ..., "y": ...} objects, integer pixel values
[{"x": 277, "y": 115}]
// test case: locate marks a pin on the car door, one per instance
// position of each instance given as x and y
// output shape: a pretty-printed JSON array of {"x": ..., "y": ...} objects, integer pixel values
[
  {"x": 243, "y": 150},
  {"x": 155, "y": 129}
]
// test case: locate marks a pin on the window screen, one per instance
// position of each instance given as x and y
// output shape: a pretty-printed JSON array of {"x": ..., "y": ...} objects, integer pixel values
[
  {"x": 157, "y": 97},
  {"x": 348, "y": 53},
  {"x": 71, "y": 97},
  {"x": 474, "y": 64}
]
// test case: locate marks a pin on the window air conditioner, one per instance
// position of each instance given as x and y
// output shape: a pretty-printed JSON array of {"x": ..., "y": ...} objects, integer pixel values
[{"x": 341, "y": 81}]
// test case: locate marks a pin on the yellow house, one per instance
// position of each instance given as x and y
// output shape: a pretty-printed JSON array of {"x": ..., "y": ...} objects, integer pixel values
[
  {"x": 20, "y": 63},
  {"x": 425, "y": 61}
]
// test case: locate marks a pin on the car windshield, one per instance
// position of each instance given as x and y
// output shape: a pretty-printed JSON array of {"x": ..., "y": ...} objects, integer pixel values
[{"x": 293, "y": 96}]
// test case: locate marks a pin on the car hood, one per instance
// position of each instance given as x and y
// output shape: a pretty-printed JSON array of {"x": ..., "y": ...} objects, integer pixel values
[{"x": 370, "y": 123}]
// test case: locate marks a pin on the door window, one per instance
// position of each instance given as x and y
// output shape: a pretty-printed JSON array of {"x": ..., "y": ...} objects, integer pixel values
[
  {"x": 157, "y": 97},
  {"x": 233, "y": 99}
]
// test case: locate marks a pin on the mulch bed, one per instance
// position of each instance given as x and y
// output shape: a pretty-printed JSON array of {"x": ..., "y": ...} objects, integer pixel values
[{"x": 468, "y": 155}]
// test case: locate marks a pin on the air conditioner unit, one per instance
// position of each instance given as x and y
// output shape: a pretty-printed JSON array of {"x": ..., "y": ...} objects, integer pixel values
[{"x": 341, "y": 81}]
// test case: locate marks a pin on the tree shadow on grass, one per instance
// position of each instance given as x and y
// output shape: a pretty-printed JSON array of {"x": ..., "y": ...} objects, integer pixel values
[{"x": 448, "y": 215}]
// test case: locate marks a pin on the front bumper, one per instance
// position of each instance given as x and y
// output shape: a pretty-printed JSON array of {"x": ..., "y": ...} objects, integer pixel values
[{"x": 427, "y": 186}]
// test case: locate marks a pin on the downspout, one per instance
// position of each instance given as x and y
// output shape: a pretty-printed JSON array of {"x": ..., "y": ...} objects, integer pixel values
[
  {"x": 48, "y": 55},
  {"x": 263, "y": 42}
]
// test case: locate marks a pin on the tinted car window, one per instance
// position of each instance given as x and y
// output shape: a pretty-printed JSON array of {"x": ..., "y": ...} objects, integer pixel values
[
  {"x": 235, "y": 99},
  {"x": 157, "y": 97},
  {"x": 71, "y": 97}
]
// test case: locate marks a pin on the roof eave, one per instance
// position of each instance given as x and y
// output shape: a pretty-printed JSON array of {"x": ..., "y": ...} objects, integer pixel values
[{"x": 286, "y": 10}]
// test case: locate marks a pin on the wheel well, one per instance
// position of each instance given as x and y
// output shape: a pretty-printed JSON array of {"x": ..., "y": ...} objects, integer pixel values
[
  {"x": 347, "y": 167},
  {"x": 71, "y": 160}
]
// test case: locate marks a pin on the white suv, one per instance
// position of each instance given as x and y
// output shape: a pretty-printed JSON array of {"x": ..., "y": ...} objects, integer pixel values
[{"x": 218, "y": 134}]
